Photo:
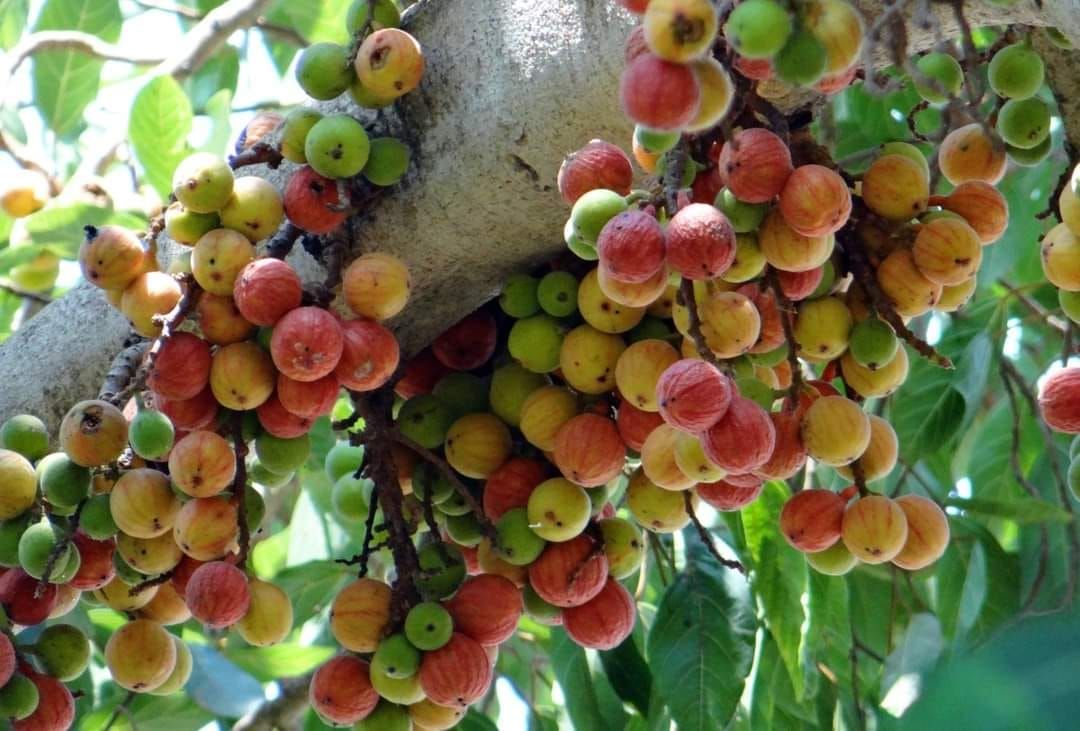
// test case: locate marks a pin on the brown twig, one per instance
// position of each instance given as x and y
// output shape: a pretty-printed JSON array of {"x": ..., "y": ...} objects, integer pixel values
[
  {"x": 703, "y": 532},
  {"x": 787, "y": 311},
  {"x": 123, "y": 369},
  {"x": 258, "y": 154},
  {"x": 151, "y": 583},
  {"x": 60, "y": 548},
  {"x": 366, "y": 547},
  {"x": 279, "y": 246},
  {"x": 1038, "y": 310},
  {"x": 689, "y": 301}
]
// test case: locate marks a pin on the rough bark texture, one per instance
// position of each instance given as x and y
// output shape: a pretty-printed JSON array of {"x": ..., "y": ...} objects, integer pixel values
[{"x": 511, "y": 87}]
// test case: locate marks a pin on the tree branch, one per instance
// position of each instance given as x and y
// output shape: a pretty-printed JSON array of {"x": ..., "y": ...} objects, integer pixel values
[
  {"x": 703, "y": 532},
  {"x": 70, "y": 40},
  {"x": 209, "y": 34},
  {"x": 283, "y": 712}
]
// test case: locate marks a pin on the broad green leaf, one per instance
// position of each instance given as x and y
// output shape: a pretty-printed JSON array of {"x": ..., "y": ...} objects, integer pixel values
[
  {"x": 961, "y": 576},
  {"x": 476, "y": 721},
  {"x": 218, "y": 110},
  {"x": 927, "y": 411},
  {"x": 322, "y": 21},
  {"x": 779, "y": 576},
  {"x": 13, "y": 15},
  {"x": 220, "y": 686},
  {"x": 916, "y": 653},
  {"x": 629, "y": 674},
  {"x": 828, "y": 632},
  {"x": 1022, "y": 508},
  {"x": 571, "y": 666},
  {"x": 279, "y": 661},
  {"x": 702, "y": 643},
  {"x": 158, "y": 129},
  {"x": 66, "y": 81},
  {"x": 312, "y": 586},
  {"x": 167, "y": 713},
  {"x": 61, "y": 227},
  {"x": 219, "y": 73},
  {"x": 772, "y": 700}
]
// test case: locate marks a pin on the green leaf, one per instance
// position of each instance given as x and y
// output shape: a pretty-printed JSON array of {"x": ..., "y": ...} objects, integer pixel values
[
  {"x": 167, "y": 713},
  {"x": 928, "y": 411},
  {"x": 312, "y": 586},
  {"x": 13, "y": 15},
  {"x": 702, "y": 642},
  {"x": 779, "y": 575},
  {"x": 571, "y": 667},
  {"x": 66, "y": 81},
  {"x": 218, "y": 74},
  {"x": 1022, "y": 508},
  {"x": 279, "y": 661},
  {"x": 629, "y": 674},
  {"x": 916, "y": 653},
  {"x": 158, "y": 129},
  {"x": 476, "y": 721},
  {"x": 218, "y": 110},
  {"x": 61, "y": 227},
  {"x": 772, "y": 701},
  {"x": 828, "y": 634},
  {"x": 321, "y": 21}
]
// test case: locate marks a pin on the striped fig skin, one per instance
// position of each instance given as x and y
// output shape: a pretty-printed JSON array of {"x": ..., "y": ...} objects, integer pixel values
[
  {"x": 815, "y": 201},
  {"x": 693, "y": 395},
  {"x": 811, "y": 520}
]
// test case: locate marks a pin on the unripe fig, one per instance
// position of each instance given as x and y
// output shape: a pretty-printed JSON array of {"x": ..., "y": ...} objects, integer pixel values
[
  {"x": 425, "y": 420},
  {"x": 1060, "y": 253},
  {"x": 282, "y": 455},
  {"x": 603, "y": 622},
  {"x": 167, "y": 608},
  {"x": 220, "y": 320},
  {"x": 982, "y": 206},
  {"x": 63, "y": 483},
  {"x": 639, "y": 369},
  {"x": 690, "y": 458},
  {"x": 217, "y": 594},
  {"x": 823, "y": 328},
  {"x": 324, "y": 71},
  {"x": 517, "y": 543},
  {"x": 755, "y": 164},
  {"x": 1024, "y": 123},
  {"x": 203, "y": 183},
  {"x": 428, "y": 626},
  {"x": 717, "y": 93},
  {"x": 396, "y": 690},
  {"x": 181, "y": 673},
  {"x": 298, "y": 123},
  {"x": 442, "y": 572},
  {"x": 359, "y": 614},
  {"x": 269, "y": 617},
  {"x": 679, "y": 30},
  {"x": 255, "y": 209},
  {"x": 895, "y": 188},
  {"x": 25, "y": 192},
  {"x": 968, "y": 153},
  {"x": 597, "y": 165},
  {"x": 543, "y": 412},
  {"x": 151, "y": 295},
  {"x": 477, "y": 445},
  {"x": 206, "y": 528},
  {"x": 1069, "y": 303},
  {"x": 788, "y": 250},
  {"x": 802, "y": 60},
  {"x": 602, "y": 312},
  {"x": 658, "y": 93},
  {"x": 18, "y": 484},
  {"x": 947, "y": 251},
  {"x": 758, "y": 29},
  {"x": 942, "y": 77},
  {"x": 1016, "y": 72},
  {"x": 457, "y": 674},
  {"x": 743, "y": 439},
  {"x": 836, "y": 560},
  {"x": 571, "y": 573},
  {"x": 376, "y": 285},
  {"x": 558, "y": 510},
  {"x": 63, "y": 651},
  {"x": 873, "y": 343},
  {"x": 388, "y": 161},
  {"x": 378, "y": 14},
  {"x": 36, "y": 546},
  {"x": 218, "y": 258},
  {"x": 633, "y": 295},
  {"x": 927, "y": 534},
  {"x": 835, "y": 430},
  {"x": 510, "y": 386},
  {"x": 396, "y": 657},
  {"x": 111, "y": 257},
  {"x": 730, "y": 323},
  {"x": 140, "y": 655},
  {"x": 656, "y": 509},
  {"x": 874, "y": 529},
  {"x": 428, "y": 716},
  {"x": 242, "y": 376},
  {"x": 25, "y": 434},
  {"x": 815, "y": 201},
  {"x": 390, "y": 63},
  {"x": 93, "y": 433},
  {"x": 186, "y": 226},
  {"x": 911, "y": 293},
  {"x": 811, "y": 520},
  {"x": 149, "y": 556},
  {"x": 55, "y": 709},
  {"x": 19, "y": 696},
  {"x": 202, "y": 464},
  {"x": 588, "y": 359},
  {"x": 341, "y": 691}
]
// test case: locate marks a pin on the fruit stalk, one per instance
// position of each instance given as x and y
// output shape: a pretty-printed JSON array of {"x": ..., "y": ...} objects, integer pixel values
[
  {"x": 239, "y": 485},
  {"x": 259, "y": 153},
  {"x": 60, "y": 549},
  {"x": 703, "y": 533},
  {"x": 787, "y": 310},
  {"x": 686, "y": 297}
]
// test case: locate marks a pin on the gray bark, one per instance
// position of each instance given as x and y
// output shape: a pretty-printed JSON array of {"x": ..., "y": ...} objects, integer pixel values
[{"x": 511, "y": 87}]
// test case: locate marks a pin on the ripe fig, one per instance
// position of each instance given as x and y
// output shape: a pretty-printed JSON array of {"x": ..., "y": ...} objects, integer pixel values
[{"x": 874, "y": 529}]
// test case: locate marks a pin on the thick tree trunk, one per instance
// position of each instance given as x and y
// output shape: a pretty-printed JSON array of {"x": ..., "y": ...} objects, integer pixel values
[{"x": 511, "y": 87}]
